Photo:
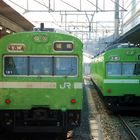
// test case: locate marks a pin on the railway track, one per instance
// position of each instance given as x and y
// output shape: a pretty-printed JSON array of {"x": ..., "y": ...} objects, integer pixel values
[{"x": 132, "y": 126}]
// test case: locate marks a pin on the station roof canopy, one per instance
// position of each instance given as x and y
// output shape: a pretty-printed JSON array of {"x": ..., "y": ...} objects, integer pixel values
[
  {"x": 132, "y": 36},
  {"x": 10, "y": 13}
]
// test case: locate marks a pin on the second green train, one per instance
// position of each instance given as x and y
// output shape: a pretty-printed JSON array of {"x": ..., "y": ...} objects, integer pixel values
[{"x": 116, "y": 73}]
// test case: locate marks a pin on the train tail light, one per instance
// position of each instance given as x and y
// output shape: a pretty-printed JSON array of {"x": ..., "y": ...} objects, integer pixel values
[
  {"x": 73, "y": 101},
  {"x": 7, "y": 101},
  {"x": 108, "y": 90}
]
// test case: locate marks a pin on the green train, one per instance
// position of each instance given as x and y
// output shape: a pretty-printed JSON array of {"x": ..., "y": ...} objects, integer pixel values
[
  {"x": 116, "y": 73},
  {"x": 41, "y": 82}
]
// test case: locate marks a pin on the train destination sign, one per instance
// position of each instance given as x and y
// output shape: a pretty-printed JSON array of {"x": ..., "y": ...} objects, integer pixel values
[
  {"x": 16, "y": 48},
  {"x": 63, "y": 46}
]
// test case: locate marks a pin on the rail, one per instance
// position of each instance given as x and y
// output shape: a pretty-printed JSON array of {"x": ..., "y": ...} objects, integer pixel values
[{"x": 129, "y": 130}]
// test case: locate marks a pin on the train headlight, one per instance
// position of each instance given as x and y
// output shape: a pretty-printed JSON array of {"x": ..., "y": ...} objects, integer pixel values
[
  {"x": 44, "y": 38},
  {"x": 36, "y": 38},
  {"x": 40, "y": 38},
  {"x": 130, "y": 52}
]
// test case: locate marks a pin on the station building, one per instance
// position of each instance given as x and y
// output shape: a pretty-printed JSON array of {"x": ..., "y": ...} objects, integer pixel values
[{"x": 11, "y": 21}]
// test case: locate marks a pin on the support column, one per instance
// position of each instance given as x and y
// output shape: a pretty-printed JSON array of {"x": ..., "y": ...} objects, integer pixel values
[{"x": 117, "y": 22}]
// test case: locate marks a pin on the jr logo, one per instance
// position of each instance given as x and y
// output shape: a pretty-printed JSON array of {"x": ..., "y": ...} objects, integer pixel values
[{"x": 65, "y": 85}]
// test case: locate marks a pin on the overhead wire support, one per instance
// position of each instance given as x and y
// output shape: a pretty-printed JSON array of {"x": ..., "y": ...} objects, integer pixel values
[
  {"x": 95, "y": 5},
  {"x": 90, "y": 23},
  {"x": 79, "y": 8},
  {"x": 80, "y": 5},
  {"x": 18, "y": 5},
  {"x": 71, "y": 5},
  {"x": 69, "y": 12},
  {"x": 123, "y": 9},
  {"x": 49, "y": 6},
  {"x": 49, "y": 9}
]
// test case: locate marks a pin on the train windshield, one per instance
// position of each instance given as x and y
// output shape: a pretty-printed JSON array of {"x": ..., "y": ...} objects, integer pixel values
[
  {"x": 15, "y": 65},
  {"x": 49, "y": 65},
  {"x": 113, "y": 69},
  {"x": 65, "y": 66},
  {"x": 128, "y": 69},
  {"x": 40, "y": 66},
  {"x": 124, "y": 69}
]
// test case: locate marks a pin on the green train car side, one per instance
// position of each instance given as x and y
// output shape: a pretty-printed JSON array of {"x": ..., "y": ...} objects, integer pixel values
[
  {"x": 116, "y": 73},
  {"x": 41, "y": 82}
]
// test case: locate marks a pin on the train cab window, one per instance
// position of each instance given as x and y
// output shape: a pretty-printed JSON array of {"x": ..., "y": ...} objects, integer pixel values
[
  {"x": 128, "y": 69},
  {"x": 15, "y": 65},
  {"x": 40, "y": 66},
  {"x": 113, "y": 69},
  {"x": 137, "y": 69},
  {"x": 65, "y": 66},
  {"x": 124, "y": 69}
]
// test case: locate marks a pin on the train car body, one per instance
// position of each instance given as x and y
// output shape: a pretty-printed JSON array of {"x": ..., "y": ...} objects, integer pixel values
[
  {"x": 41, "y": 84},
  {"x": 116, "y": 73}
]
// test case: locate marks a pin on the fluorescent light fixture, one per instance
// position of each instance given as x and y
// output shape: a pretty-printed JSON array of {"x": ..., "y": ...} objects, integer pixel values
[
  {"x": 8, "y": 31},
  {"x": 1, "y": 27}
]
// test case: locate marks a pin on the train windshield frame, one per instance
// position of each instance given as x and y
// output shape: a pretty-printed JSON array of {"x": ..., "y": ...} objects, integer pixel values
[
  {"x": 123, "y": 69},
  {"x": 41, "y": 66}
]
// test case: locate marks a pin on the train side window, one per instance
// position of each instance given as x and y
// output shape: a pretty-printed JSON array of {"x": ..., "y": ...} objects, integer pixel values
[{"x": 113, "y": 69}]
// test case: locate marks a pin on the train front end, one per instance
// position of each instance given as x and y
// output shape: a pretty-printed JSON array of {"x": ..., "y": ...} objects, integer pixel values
[
  {"x": 41, "y": 86},
  {"x": 121, "y": 86}
]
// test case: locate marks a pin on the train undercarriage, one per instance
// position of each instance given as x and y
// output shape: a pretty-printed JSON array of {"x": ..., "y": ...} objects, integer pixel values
[
  {"x": 39, "y": 120},
  {"x": 123, "y": 103},
  {"x": 127, "y": 102}
]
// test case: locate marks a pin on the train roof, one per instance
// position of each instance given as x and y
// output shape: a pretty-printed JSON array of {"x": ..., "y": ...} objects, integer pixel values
[
  {"x": 41, "y": 32},
  {"x": 118, "y": 46}
]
